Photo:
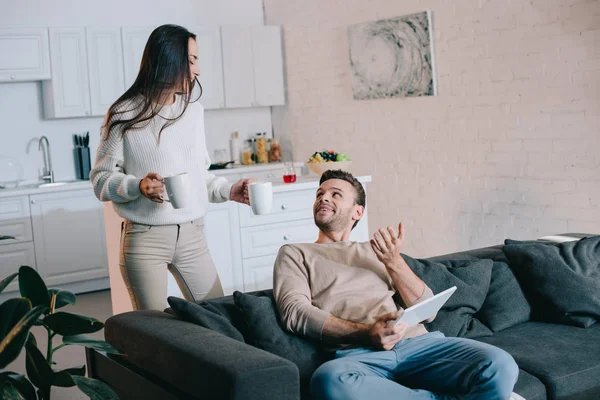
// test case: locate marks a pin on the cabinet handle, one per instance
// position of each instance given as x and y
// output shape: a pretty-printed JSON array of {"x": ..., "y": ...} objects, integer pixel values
[
  {"x": 284, "y": 206},
  {"x": 32, "y": 201},
  {"x": 12, "y": 77},
  {"x": 286, "y": 237}
]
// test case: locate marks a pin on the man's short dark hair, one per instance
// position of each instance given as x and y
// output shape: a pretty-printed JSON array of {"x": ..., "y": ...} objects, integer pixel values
[{"x": 360, "y": 197}]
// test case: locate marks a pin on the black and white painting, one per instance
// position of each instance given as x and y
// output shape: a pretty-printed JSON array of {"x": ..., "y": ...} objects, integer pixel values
[{"x": 392, "y": 57}]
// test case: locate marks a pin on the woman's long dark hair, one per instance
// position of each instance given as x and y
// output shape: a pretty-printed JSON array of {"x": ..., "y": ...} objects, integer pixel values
[{"x": 165, "y": 67}]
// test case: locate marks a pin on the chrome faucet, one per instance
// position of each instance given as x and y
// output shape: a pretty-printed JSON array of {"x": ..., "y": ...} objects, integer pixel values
[{"x": 48, "y": 174}]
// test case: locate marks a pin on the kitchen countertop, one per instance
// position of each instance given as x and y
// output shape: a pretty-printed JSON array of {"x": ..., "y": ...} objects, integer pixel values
[
  {"x": 241, "y": 169},
  {"x": 307, "y": 182},
  {"x": 302, "y": 182},
  {"x": 33, "y": 189}
]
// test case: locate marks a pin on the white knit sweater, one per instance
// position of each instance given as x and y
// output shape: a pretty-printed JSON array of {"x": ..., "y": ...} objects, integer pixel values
[{"x": 121, "y": 162}]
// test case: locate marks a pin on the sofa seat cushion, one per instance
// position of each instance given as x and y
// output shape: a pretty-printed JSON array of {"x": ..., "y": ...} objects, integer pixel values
[
  {"x": 529, "y": 387},
  {"x": 565, "y": 358},
  {"x": 561, "y": 280},
  {"x": 472, "y": 279}
]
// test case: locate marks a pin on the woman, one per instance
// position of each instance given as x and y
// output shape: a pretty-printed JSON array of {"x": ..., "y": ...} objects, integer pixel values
[{"x": 156, "y": 129}]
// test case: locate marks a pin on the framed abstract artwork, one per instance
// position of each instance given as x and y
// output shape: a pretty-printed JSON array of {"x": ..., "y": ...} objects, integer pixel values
[{"x": 392, "y": 57}]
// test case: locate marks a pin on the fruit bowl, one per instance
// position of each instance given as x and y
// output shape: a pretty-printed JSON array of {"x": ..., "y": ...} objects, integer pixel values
[{"x": 319, "y": 167}]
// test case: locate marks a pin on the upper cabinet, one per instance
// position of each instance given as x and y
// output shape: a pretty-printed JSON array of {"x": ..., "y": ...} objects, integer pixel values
[
  {"x": 25, "y": 54},
  {"x": 211, "y": 67},
  {"x": 68, "y": 93},
  {"x": 105, "y": 66},
  {"x": 87, "y": 72},
  {"x": 134, "y": 42},
  {"x": 253, "y": 66}
]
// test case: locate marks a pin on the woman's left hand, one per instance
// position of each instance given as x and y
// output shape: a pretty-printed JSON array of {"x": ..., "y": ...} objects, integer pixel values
[{"x": 239, "y": 191}]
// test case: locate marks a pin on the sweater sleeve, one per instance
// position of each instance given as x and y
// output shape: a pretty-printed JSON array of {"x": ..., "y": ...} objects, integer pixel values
[
  {"x": 292, "y": 294},
  {"x": 109, "y": 178},
  {"x": 219, "y": 190}
]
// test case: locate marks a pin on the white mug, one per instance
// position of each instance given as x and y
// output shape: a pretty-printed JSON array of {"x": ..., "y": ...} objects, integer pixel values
[
  {"x": 261, "y": 197},
  {"x": 177, "y": 189}
]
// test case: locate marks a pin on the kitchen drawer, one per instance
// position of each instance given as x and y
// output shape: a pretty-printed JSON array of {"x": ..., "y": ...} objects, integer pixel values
[
  {"x": 267, "y": 239},
  {"x": 287, "y": 206},
  {"x": 258, "y": 273},
  {"x": 19, "y": 228},
  {"x": 12, "y": 256},
  {"x": 14, "y": 207}
]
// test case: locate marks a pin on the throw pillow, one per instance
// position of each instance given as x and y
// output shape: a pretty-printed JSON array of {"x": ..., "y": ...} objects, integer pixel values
[
  {"x": 560, "y": 280},
  {"x": 262, "y": 329},
  {"x": 205, "y": 315},
  {"x": 505, "y": 304},
  {"x": 472, "y": 280}
]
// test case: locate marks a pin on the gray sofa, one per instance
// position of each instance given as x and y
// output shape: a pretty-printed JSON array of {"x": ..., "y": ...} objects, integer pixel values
[{"x": 169, "y": 358}]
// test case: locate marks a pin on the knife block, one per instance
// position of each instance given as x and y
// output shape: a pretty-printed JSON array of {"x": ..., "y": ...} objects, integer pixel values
[{"x": 83, "y": 164}]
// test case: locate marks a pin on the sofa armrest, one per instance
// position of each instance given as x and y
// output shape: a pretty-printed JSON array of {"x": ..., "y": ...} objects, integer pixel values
[{"x": 199, "y": 361}]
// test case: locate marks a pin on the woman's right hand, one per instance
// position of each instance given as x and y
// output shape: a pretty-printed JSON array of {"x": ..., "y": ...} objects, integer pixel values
[{"x": 152, "y": 187}]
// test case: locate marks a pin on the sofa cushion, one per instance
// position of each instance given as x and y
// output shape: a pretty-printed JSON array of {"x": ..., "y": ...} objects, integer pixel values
[
  {"x": 565, "y": 358},
  {"x": 529, "y": 387},
  {"x": 505, "y": 304},
  {"x": 206, "y": 315},
  {"x": 262, "y": 328},
  {"x": 472, "y": 279},
  {"x": 561, "y": 280}
]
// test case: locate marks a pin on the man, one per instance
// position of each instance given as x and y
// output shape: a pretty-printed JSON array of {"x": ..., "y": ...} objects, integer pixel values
[{"x": 344, "y": 293}]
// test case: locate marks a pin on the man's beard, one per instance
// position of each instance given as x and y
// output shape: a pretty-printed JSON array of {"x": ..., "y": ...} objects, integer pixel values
[{"x": 337, "y": 223}]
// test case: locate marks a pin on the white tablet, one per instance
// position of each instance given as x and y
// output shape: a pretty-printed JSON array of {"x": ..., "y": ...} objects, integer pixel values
[{"x": 426, "y": 309}]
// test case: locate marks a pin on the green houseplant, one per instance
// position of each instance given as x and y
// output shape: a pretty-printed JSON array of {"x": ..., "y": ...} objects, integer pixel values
[{"x": 38, "y": 305}]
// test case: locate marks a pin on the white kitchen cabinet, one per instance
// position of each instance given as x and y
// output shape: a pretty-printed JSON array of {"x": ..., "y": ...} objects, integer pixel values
[
  {"x": 134, "y": 42},
  {"x": 252, "y": 66},
  {"x": 12, "y": 257},
  {"x": 105, "y": 66},
  {"x": 68, "y": 93},
  {"x": 69, "y": 237},
  {"x": 267, "y": 59},
  {"x": 258, "y": 273},
  {"x": 210, "y": 60},
  {"x": 223, "y": 239},
  {"x": 25, "y": 55}
]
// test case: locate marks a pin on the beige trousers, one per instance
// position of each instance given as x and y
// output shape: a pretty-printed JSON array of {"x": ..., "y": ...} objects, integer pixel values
[{"x": 148, "y": 253}]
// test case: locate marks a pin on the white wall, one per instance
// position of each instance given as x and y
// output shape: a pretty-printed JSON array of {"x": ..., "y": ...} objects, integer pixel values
[
  {"x": 509, "y": 147},
  {"x": 20, "y": 103}
]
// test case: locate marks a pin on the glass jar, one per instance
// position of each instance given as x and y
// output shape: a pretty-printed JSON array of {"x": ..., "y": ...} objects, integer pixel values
[
  {"x": 247, "y": 152},
  {"x": 262, "y": 154},
  {"x": 275, "y": 152}
]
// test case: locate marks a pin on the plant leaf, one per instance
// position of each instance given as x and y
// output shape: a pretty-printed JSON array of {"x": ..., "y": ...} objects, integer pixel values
[
  {"x": 64, "y": 378},
  {"x": 8, "y": 392},
  {"x": 38, "y": 370},
  {"x": 6, "y": 281},
  {"x": 63, "y": 297},
  {"x": 32, "y": 286},
  {"x": 13, "y": 342},
  {"x": 20, "y": 383},
  {"x": 69, "y": 324},
  {"x": 11, "y": 312},
  {"x": 99, "y": 345},
  {"x": 95, "y": 389}
]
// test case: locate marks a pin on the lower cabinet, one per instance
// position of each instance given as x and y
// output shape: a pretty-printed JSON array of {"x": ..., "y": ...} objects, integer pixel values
[
  {"x": 12, "y": 256},
  {"x": 69, "y": 238}
]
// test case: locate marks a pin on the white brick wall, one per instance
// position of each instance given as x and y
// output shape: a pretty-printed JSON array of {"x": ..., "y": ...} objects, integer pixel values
[{"x": 509, "y": 148}]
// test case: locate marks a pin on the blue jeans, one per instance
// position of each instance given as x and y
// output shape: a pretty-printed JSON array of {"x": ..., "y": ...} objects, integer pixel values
[{"x": 431, "y": 366}]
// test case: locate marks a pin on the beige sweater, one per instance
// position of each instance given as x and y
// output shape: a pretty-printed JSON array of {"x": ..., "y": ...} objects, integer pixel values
[{"x": 344, "y": 279}]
